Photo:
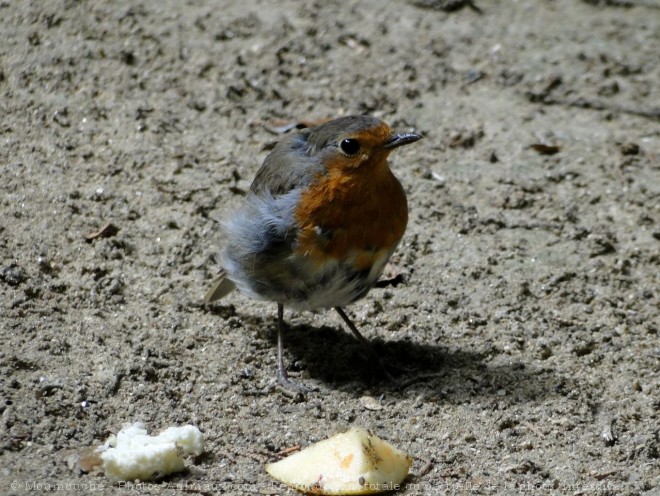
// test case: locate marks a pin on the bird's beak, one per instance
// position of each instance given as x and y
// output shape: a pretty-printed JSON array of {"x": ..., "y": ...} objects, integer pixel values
[{"x": 398, "y": 140}]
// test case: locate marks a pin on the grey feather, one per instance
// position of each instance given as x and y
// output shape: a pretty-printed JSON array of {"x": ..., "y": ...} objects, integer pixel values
[{"x": 220, "y": 288}]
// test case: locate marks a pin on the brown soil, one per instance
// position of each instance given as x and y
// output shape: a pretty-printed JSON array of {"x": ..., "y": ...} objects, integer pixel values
[{"x": 523, "y": 332}]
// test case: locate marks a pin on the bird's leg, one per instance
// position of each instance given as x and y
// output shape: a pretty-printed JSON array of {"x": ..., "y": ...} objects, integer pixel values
[
  {"x": 282, "y": 377},
  {"x": 363, "y": 341}
]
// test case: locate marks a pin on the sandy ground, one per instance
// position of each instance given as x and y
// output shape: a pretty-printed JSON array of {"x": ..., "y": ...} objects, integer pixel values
[{"x": 523, "y": 332}]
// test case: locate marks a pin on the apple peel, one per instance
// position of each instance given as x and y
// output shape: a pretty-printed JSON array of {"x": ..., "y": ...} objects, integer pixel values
[{"x": 353, "y": 462}]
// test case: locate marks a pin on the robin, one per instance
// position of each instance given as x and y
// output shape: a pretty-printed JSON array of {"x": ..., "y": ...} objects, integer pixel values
[{"x": 322, "y": 217}]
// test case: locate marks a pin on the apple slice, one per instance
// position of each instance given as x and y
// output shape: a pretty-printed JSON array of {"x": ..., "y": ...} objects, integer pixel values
[{"x": 353, "y": 462}]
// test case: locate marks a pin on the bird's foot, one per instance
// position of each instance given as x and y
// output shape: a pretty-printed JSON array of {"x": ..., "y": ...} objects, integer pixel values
[{"x": 291, "y": 388}]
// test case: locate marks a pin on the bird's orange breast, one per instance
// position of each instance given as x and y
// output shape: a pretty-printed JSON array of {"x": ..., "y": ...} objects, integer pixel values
[{"x": 355, "y": 216}]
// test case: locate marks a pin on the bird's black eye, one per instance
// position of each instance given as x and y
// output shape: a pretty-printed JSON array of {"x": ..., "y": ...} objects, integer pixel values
[{"x": 349, "y": 146}]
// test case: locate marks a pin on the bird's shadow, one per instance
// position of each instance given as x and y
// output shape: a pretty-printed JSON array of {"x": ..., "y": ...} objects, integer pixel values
[
  {"x": 335, "y": 359},
  {"x": 332, "y": 358}
]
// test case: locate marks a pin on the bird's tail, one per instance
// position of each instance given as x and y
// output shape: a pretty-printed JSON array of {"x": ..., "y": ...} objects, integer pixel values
[{"x": 220, "y": 288}]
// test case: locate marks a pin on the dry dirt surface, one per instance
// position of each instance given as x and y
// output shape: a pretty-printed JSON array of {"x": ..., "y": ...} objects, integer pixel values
[{"x": 521, "y": 316}]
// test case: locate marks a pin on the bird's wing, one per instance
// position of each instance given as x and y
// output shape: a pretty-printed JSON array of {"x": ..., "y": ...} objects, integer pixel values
[{"x": 289, "y": 166}]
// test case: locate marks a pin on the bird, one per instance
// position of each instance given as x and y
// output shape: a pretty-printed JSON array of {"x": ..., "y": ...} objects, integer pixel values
[{"x": 323, "y": 216}]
